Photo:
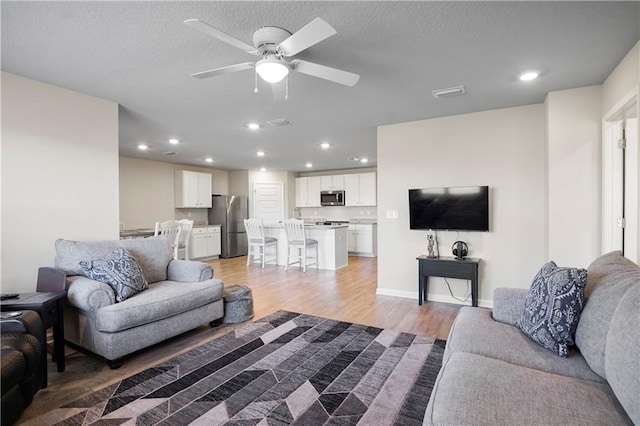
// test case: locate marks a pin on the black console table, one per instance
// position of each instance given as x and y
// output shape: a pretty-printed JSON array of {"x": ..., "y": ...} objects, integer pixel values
[{"x": 448, "y": 267}]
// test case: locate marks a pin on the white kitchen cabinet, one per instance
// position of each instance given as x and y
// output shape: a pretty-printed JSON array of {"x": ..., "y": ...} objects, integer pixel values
[
  {"x": 362, "y": 239},
  {"x": 192, "y": 189},
  {"x": 205, "y": 242},
  {"x": 332, "y": 183},
  {"x": 351, "y": 239},
  {"x": 308, "y": 191},
  {"x": 360, "y": 189}
]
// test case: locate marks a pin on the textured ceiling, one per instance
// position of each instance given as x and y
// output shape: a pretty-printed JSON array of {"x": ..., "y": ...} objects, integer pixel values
[{"x": 140, "y": 55}]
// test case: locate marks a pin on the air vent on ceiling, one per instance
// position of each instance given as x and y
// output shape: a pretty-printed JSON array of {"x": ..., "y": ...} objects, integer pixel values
[
  {"x": 170, "y": 153},
  {"x": 448, "y": 92},
  {"x": 278, "y": 122}
]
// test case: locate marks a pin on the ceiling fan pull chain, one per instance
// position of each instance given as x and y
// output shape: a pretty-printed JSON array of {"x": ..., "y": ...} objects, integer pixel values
[
  {"x": 255, "y": 82},
  {"x": 286, "y": 90}
]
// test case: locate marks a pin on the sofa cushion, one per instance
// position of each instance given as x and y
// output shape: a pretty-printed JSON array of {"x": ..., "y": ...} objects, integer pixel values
[
  {"x": 160, "y": 300},
  {"x": 153, "y": 255},
  {"x": 553, "y": 306},
  {"x": 475, "y": 390},
  {"x": 610, "y": 277},
  {"x": 475, "y": 331},
  {"x": 622, "y": 358},
  {"x": 120, "y": 270}
]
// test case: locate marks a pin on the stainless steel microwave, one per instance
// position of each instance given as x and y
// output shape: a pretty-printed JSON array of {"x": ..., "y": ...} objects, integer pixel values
[{"x": 332, "y": 198}]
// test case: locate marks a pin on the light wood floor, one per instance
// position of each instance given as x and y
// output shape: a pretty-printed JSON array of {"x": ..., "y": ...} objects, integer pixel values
[{"x": 348, "y": 294}]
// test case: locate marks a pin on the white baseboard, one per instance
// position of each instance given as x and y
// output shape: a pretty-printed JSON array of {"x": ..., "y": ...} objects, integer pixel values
[{"x": 431, "y": 297}]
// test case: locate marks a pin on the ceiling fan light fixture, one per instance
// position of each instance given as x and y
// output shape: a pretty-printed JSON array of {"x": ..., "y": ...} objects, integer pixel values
[{"x": 272, "y": 70}]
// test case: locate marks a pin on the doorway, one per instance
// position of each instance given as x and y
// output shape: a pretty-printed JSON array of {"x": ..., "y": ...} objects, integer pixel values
[
  {"x": 620, "y": 179},
  {"x": 268, "y": 202}
]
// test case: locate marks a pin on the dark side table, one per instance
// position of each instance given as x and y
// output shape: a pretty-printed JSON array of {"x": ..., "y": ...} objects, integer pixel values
[
  {"x": 50, "y": 307},
  {"x": 447, "y": 267}
]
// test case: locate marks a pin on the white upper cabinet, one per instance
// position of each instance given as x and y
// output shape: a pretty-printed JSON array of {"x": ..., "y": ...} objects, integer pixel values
[
  {"x": 332, "y": 183},
  {"x": 360, "y": 189},
  {"x": 308, "y": 191},
  {"x": 192, "y": 189}
]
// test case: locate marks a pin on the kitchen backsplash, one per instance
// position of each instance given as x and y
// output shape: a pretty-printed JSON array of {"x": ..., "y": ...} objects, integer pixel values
[
  {"x": 199, "y": 216},
  {"x": 340, "y": 213}
]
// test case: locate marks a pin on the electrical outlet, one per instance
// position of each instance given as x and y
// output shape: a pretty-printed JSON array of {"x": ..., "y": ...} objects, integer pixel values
[
  {"x": 189, "y": 215},
  {"x": 392, "y": 214}
]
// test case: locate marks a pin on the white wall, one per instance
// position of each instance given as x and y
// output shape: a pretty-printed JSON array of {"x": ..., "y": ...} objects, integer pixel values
[
  {"x": 574, "y": 175},
  {"x": 147, "y": 192},
  {"x": 59, "y": 174},
  {"x": 504, "y": 149},
  {"x": 622, "y": 80},
  {"x": 239, "y": 183}
]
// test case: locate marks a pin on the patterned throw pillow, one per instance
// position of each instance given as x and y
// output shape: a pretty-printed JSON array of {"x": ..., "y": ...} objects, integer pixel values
[
  {"x": 553, "y": 306},
  {"x": 120, "y": 270}
]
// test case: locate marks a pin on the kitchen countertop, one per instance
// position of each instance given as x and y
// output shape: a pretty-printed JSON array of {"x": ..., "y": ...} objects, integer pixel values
[
  {"x": 363, "y": 221},
  {"x": 139, "y": 232},
  {"x": 280, "y": 226}
]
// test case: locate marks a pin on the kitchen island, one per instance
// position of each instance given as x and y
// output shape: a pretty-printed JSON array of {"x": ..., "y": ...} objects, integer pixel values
[{"x": 332, "y": 244}]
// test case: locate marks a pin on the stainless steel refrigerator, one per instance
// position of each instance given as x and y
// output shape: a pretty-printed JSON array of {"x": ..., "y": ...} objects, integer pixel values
[{"x": 229, "y": 211}]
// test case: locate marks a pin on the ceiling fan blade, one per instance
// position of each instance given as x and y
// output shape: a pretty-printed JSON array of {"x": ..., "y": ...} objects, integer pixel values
[
  {"x": 312, "y": 33},
  {"x": 214, "y": 32},
  {"x": 224, "y": 70},
  {"x": 327, "y": 73}
]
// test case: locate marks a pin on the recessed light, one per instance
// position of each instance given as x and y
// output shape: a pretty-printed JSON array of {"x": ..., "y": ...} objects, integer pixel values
[
  {"x": 174, "y": 141},
  {"x": 253, "y": 126},
  {"x": 262, "y": 169},
  {"x": 260, "y": 153},
  {"x": 364, "y": 160},
  {"x": 529, "y": 75},
  {"x": 325, "y": 145},
  {"x": 209, "y": 160},
  {"x": 309, "y": 165},
  {"x": 142, "y": 147}
]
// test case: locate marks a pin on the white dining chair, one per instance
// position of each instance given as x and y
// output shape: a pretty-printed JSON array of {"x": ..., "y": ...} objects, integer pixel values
[
  {"x": 258, "y": 243},
  {"x": 299, "y": 243},
  {"x": 169, "y": 230},
  {"x": 186, "y": 226}
]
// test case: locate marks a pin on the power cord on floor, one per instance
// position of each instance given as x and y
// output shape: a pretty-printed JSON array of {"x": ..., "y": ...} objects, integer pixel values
[{"x": 466, "y": 298}]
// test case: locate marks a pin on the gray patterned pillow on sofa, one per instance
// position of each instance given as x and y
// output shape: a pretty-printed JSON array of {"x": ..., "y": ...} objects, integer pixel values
[
  {"x": 553, "y": 306},
  {"x": 120, "y": 270}
]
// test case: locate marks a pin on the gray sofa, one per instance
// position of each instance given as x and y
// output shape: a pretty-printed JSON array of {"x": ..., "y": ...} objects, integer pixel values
[
  {"x": 181, "y": 295},
  {"x": 493, "y": 374}
]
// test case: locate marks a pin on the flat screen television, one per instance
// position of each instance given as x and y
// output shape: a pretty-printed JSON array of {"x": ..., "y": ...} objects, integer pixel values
[{"x": 462, "y": 208}]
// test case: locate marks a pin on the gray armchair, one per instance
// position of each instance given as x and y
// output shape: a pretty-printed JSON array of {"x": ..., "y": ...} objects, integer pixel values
[{"x": 181, "y": 295}]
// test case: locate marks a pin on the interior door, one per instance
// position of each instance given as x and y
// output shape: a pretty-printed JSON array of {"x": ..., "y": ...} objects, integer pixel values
[{"x": 268, "y": 202}]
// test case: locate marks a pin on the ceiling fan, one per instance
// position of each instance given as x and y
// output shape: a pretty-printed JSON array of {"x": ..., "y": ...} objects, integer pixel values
[{"x": 273, "y": 45}]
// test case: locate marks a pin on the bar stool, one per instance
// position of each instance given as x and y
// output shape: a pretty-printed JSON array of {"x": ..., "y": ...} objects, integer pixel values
[
  {"x": 258, "y": 242},
  {"x": 170, "y": 230},
  {"x": 185, "y": 238},
  {"x": 298, "y": 242}
]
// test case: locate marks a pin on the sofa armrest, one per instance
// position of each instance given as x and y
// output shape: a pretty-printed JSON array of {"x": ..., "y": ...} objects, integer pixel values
[
  {"x": 28, "y": 322},
  {"x": 89, "y": 295},
  {"x": 188, "y": 271},
  {"x": 508, "y": 304}
]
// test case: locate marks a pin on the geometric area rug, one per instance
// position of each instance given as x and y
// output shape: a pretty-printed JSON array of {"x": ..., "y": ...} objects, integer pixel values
[{"x": 286, "y": 368}]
